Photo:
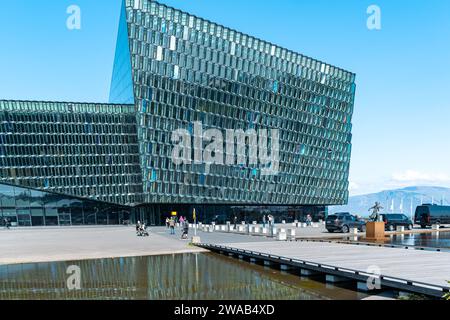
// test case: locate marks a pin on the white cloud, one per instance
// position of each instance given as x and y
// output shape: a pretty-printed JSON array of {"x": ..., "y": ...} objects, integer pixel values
[
  {"x": 353, "y": 186},
  {"x": 399, "y": 180},
  {"x": 415, "y": 177}
]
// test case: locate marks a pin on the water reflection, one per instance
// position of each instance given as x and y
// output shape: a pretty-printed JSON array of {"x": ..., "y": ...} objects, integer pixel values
[
  {"x": 432, "y": 240},
  {"x": 190, "y": 277},
  {"x": 429, "y": 240}
]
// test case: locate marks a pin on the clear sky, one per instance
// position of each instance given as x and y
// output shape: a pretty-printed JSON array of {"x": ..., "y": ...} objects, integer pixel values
[{"x": 402, "y": 112}]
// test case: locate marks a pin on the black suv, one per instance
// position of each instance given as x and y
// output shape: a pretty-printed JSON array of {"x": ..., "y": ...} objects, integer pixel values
[
  {"x": 342, "y": 222},
  {"x": 393, "y": 220}
]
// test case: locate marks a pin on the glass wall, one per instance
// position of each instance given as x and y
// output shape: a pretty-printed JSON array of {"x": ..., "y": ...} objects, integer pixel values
[
  {"x": 79, "y": 149},
  {"x": 27, "y": 207},
  {"x": 157, "y": 214},
  {"x": 186, "y": 69}
]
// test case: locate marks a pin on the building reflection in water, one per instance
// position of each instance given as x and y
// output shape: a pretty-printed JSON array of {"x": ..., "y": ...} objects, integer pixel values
[
  {"x": 431, "y": 240},
  {"x": 172, "y": 277}
]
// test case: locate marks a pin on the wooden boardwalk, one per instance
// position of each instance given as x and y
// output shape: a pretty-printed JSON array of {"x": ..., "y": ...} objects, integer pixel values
[{"x": 412, "y": 270}]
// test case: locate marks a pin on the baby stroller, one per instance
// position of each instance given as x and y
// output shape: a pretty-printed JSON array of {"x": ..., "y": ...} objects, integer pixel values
[
  {"x": 142, "y": 231},
  {"x": 185, "y": 232}
]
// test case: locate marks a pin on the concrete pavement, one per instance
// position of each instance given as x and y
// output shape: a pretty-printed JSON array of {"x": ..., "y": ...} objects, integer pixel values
[
  {"x": 30, "y": 245},
  {"x": 47, "y": 244}
]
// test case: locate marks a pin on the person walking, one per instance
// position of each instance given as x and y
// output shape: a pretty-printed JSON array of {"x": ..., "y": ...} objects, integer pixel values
[
  {"x": 172, "y": 226},
  {"x": 269, "y": 219},
  {"x": 308, "y": 220},
  {"x": 138, "y": 226},
  {"x": 185, "y": 227},
  {"x": 7, "y": 223},
  {"x": 264, "y": 220},
  {"x": 235, "y": 223},
  {"x": 167, "y": 223}
]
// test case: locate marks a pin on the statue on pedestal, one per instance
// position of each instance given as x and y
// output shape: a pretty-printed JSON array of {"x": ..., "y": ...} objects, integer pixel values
[{"x": 375, "y": 216}]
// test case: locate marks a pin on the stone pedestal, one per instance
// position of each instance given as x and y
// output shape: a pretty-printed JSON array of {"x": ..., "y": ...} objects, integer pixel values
[
  {"x": 291, "y": 234},
  {"x": 375, "y": 230},
  {"x": 196, "y": 240},
  {"x": 282, "y": 236}
]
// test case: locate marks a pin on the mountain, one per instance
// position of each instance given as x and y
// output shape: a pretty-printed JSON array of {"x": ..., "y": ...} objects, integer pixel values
[{"x": 411, "y": 198}]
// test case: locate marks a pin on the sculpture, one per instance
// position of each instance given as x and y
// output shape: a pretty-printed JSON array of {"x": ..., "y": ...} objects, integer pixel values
[{"x": 375, "y": 216}]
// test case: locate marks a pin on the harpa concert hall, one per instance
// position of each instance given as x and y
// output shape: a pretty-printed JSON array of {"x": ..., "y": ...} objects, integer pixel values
[{"x": 200, "y": 116}]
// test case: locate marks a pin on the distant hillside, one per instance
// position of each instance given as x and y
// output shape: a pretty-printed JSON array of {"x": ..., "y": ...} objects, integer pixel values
[{"x": 411, "y": 197}]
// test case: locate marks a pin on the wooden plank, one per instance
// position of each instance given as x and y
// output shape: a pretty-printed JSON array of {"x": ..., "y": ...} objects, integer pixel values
[{"x": 430, "y": 267}]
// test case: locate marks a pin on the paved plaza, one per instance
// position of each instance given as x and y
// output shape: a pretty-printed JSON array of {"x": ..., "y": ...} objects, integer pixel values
[
  {"x": 47, "y": 244},
  {"x": 28, "y": 245}
]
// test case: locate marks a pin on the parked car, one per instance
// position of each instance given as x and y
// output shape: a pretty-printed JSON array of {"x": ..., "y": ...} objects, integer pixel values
[
  {"x": 342, "y": 222},
  {"x": 394, "y": 220},
  {"x": 429, "y": 214}
]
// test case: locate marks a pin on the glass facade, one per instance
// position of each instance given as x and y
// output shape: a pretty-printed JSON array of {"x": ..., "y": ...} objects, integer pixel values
[
  {"x": 207, "y": 213},
  {"x": 171, "y": 71},
  {"x": 31, "y": 207},
  {"x": 84, "y": 150},
  {"x": 186, "y": 69},
  {"x": 122, "y": 83}
]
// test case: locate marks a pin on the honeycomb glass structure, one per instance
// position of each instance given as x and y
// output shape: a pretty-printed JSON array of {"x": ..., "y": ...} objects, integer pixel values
[
  {"x": 84, "y": 150},
  {"x": 186, "y": 69}
]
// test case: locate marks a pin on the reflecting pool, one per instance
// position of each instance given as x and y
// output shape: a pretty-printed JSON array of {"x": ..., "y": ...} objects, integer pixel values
[
  {"x": 432, "y": 240},
  {"x": 172, "y": 277}
]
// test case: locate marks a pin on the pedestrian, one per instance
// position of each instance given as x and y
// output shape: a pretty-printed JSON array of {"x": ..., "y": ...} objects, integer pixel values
[
  {"x": 7, "y": 223},
  {"x": 172, "y": 226},
  {"x": 264, "y": 221},
  {"x": 138, "y": 226},
  {"x": 167, "y": 223},
  {"x": 235, "y": 222},
  {"x": 308, "y": 220},
  {"x": 185, "y": 229},
  {"x": 270, "y": 220},
  {"x": 181, "y": 221}
]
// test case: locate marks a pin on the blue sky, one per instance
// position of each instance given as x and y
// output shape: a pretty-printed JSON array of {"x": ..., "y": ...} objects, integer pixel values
[{"x": 401, "y": 134}]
